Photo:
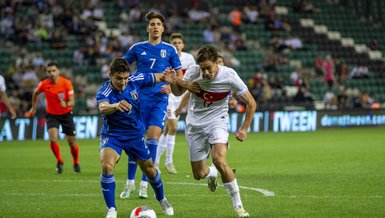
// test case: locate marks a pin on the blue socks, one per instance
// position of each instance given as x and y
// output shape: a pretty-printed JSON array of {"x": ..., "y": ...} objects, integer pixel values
[
  {"x": 132, "y": 166},
  {"x": 131, "y": 169},
  {"x": 108, "y": 189},
  {"x": 152, "y": 146},
  {"x": 157, "y": 185}
]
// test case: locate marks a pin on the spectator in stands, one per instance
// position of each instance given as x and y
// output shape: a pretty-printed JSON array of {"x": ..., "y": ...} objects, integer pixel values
[
  {"x": 330, "y": 100},
  {"x": 251, "y": 13},
  {"x": 328, "y": 70},
  {"x": 366, "y": 101},
  {"x": 318, "y": 65},
  {"x": 293, "y": 42},
  {"x": 374, "y": 45},
  {"x": 304, "y": 6},
  {"x": 342, "y": 98},
  {"x": 235, "y": 17},
  {"x": 360, "y": 71}
]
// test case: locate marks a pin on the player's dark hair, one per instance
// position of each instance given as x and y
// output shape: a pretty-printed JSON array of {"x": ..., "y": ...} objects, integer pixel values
[
  {"x": 207, "y": 52},
  {"x": 176, "y": 36},
  {"x": 53, "y": 63},
  {"x": 119, "y": 65},
  {"x": 153, "y": 14}
]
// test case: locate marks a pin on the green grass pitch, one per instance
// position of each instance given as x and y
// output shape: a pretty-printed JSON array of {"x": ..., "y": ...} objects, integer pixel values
[{"x": 328, "y": 173}]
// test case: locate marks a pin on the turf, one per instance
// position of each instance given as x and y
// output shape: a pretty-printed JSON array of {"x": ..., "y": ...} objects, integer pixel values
[{"x": 328, "y": 173}]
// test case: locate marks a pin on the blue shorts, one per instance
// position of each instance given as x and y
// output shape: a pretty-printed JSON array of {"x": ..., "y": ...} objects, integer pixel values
[
  {"x": 153, "y": 113},
  {"x": 135, "y": 148}
]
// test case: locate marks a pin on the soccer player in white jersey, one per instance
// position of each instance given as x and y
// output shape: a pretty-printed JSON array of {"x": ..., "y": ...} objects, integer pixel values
[
  {"x": 207, "y": 121},
  {"x": 4, "y": 98},
  {"x": 167, "y": 139}
]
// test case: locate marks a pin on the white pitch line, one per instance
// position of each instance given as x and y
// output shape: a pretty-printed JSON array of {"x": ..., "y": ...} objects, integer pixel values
[{"x": 265, "y": 193}]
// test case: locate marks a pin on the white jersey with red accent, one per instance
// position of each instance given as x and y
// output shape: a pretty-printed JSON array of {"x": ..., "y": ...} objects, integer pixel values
[
  {"x": 2, "y": 84},
  {"x": 212, "y": 103},
  {"x": 186, "y": 60}
]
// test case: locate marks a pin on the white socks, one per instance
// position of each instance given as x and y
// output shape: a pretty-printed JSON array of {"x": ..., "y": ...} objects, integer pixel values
[
  {"x": 170, "y": 140},
  {"x": 161, "y": 148},
  {"x": 166, "y": 143},
  {"x": 213, "y": 172},
  {"x": 233, "y": 190}
]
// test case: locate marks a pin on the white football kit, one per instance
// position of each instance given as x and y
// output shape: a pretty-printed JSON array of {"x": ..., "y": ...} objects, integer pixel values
[
  {"x": 186, "y": 60},
  {"x": 207, "y": 116},
  {"x": 2, "y": 84}
]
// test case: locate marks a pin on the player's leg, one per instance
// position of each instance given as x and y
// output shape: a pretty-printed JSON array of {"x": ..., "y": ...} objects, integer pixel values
[
  {"x": 152, "y": 142},
  {"x": 68, "y": 126},
  {"x": 199, "y": 150},
  {"x": 170, "y": 140},
  {"x": 129, "y": 187},
  {"x": 53, "y": 132},
  {"x": 219, "y": 154},
  {"x": 162, "y": 146},
  {"x": 144, "y": 160},
  {"x": 155, "y": 124},
  {"x": 109, "y": 155}
]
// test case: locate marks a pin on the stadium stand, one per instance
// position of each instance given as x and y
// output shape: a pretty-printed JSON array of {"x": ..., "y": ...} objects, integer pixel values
[{"x": 275, "y": 53}]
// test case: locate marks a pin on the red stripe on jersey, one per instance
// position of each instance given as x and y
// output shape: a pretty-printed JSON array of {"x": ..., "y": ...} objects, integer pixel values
[{"x": 211, "y": 97}]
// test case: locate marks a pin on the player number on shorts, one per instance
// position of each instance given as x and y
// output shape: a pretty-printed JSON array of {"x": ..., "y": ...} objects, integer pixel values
[{"x": 153, "y": 62}]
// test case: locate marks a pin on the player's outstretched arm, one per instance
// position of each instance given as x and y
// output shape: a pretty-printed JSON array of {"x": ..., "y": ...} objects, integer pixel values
[
  {"x": 180, "y": 86},
  {"x": 107, "y": 108},
  {"x": 182, "y": 104},
  {"x": 251, "y": 106}
]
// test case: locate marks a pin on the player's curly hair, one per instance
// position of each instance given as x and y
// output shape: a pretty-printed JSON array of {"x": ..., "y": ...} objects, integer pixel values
[
  {"x": 153, "y": 14},
  {"x": 207, "y": 52},
  {"x": 119, "y": 65}
]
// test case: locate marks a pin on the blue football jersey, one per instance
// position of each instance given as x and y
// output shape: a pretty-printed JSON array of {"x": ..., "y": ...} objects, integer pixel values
[
  {"x": 128, "y": 124},
  {"x": 153, "y": 59}
]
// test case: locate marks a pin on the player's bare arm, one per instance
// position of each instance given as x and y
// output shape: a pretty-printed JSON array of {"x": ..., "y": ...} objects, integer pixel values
[
  {"x": 182, "y": 104},
  {"x": 69, "y": 103},
  {"x": 35, "y": 96},
  {"x": 107, "y": 108},
  {"x": 251, "y": 105},
  {"x": 179, "y": 86}
]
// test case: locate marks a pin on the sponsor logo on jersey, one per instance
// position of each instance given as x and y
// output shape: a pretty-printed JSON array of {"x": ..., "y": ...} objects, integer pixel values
[{"x": 163, "y": 53}]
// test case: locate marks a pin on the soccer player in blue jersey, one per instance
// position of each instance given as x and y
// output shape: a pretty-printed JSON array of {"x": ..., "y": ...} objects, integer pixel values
[
  {"x": 153, "y": 56},
  {"x": 122, "y": 129}
]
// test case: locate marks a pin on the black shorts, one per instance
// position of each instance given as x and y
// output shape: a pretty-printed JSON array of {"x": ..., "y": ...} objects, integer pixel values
[{"x": 65, "y": 120}]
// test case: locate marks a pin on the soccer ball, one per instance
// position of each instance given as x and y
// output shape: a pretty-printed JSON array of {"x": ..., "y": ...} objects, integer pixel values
[{"x": 143, "y": 212}]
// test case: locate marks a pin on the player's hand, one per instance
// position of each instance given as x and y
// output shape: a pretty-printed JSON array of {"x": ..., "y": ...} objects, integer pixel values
[
  {"x": 178, "y": 111},
  {"x": 170, "y": 72},
  {"x": 233, "y": 102},
  {"x": 123, "y": 106},
  {"x": 63, "y": 104},
  {"x": 32, "y": 112},
  {"x": 241, "y": 135},
  {"x": 193, "y": 87},
  {"x": 165, "y": 89},
  {"x": 13, "y": 114}
]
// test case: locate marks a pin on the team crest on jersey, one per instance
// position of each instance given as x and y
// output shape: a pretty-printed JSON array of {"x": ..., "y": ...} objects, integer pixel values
[
  {"x": 163, "y": 53},
  {"x": 134, "y": 94}
]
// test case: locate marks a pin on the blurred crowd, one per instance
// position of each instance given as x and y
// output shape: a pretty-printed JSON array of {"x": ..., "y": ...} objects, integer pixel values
[{"x": 53, "y": 21}]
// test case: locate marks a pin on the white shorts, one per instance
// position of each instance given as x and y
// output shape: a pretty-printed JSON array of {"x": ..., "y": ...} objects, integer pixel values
[
  {"x": 201, "y": 139},
  {"x": 173, "y": 104},
  {"x": 171, "y": 107}
]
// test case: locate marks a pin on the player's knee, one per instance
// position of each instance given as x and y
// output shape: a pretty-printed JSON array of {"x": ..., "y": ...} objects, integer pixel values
[
  {"x": 219, "y": 163},
  {"x": 53, "y": 140},
  {"x": 107, "y": 168}
]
